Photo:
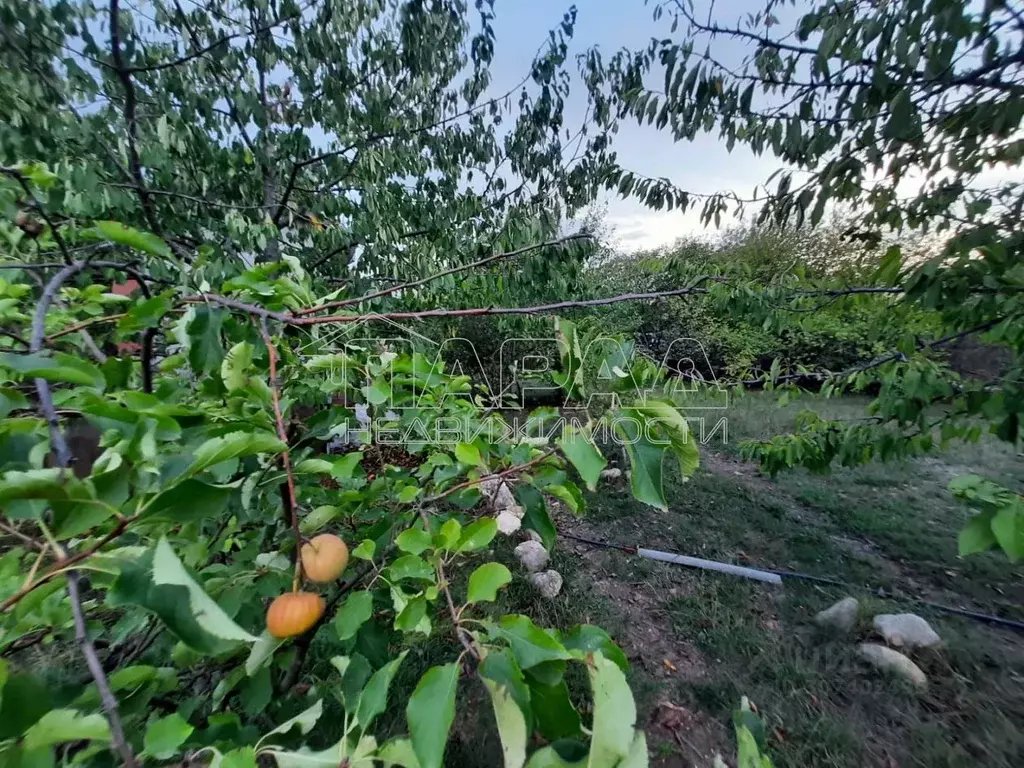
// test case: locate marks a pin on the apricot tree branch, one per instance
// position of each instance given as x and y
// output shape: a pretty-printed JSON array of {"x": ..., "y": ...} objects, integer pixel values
[
  {"x": 290, "y": 497},
  {"x": 63, "y": 454},
  {"x": 430, "y": 278}
]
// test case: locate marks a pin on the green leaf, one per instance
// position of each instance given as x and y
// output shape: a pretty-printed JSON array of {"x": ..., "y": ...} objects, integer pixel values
[
  {"x": 500, "y": 666},
  {"x": 243, "y": 757},
  {"x": 61, "y": 725},
  {"x": 58, "y": 367},
  {"x": 116, "y": 232},
  {"x": 450, "y": 534},
  {"x": 165, "y": 736},
  {"x": 410, "y": 567},
  {"x": 414, "y": 541},
  {"x": 586, "y": 638},
  {"x": 478, "y": 534},
  {"x": 1008, "y": 528},
  {"x": 398, "y": 752},
  {"x": 614, "y": 713},
  {"x": 305, "y": 721},
  {"x": 232, "y": 446},
  {"x": 645, "y": 460},
  {"x": 977, "y": 535},
  {"x": 366, "y": 550},
  {"x": 167, "y": 569},
  {"x": 374, "y": 698},
  {"x": 583, "y": 454},
  {"x": 467, "y": 453},
  {"x": 146, "y": 314},
  {"x": 24, "y": 700},
  {"x": 235, "y": 366},
  {"x": 485, "y": 581},
  {"x": 530, "y": 644},
  {"x": 346, "y": 465},
  {"x": 314, "y": 467},
  {"x": 536, "y": 517},
  {"x": 430, "y": 712},
  {"x": 52, "y": 484},
  {"x": 190, "y": 501},
  {"x": 356, "y": 610},
  {"x": 262, "y": 652},
  {"x": 511, "y": 724},
  {"x": 556, "y": 716},
  {"x": 205, "y": 351}
]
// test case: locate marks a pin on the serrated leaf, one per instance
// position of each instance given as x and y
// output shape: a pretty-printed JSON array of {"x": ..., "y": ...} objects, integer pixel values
[
  {"x": 235, "y": 366},
  {"x": 485, "y": 581}
]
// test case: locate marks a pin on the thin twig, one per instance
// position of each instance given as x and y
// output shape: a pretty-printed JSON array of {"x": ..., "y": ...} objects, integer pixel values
[
  {"x": 454, "y": 270},
  {"x": 286, "y": 462},
  {"x": 63, "y": 454},
  {"x": 442, "y": 580}
]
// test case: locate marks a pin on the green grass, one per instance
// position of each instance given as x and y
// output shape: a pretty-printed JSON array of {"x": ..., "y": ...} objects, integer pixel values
[{"x": 890, "y": 526}]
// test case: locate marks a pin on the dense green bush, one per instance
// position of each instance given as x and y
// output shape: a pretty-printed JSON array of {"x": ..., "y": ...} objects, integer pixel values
[{"x": 837, "y": 334}]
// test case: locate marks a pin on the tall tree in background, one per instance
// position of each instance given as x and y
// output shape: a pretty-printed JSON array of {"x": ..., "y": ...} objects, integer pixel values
[
  {"x": 361, "y": 138},
  {"x": 906, "y": 113}
]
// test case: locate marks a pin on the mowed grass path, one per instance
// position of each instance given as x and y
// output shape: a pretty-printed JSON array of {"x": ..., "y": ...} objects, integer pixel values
[{"x": 700, "y": 641}]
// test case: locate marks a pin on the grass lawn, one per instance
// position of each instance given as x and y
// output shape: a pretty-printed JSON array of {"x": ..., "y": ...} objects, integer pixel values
[{"x": 700, "y": 641}]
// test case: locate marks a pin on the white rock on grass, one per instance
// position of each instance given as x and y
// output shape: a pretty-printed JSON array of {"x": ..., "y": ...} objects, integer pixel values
[
  {"x": 840, "y": 617},
  {"x": 504, "y": 499},
  {"x": 548, "y": 583},
  {"x": 532, "y": 555},
  {"x": 612, "y": 473},
  {"x": 888, "y": 660},
  {"x": 509, "y": 522},
  {"x": 906, "y": 630}
]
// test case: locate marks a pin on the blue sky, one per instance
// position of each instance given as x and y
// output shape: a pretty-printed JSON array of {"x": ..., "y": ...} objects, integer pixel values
[{"x": 703, "y": 165}]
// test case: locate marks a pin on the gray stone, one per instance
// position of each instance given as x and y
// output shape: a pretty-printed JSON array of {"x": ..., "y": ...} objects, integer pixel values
[
  {"x": 612, "y": 473},
  {"x": 906, "y": 630},
  {"x": 889, "y": 660},
  {"x": 532, "y": 555},
  {"x": 549, "y": 583},
  {"x": 532, "y": 535},
  {"x": 840, "y": 617}
]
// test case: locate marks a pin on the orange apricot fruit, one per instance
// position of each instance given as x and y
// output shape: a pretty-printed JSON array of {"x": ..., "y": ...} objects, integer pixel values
[
  {"x": 324, "y": 558},
  {"x": 294, "y": 613}
]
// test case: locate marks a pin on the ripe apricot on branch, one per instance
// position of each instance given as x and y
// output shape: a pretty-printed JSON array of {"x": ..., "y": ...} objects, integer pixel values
[
  {"x": 324, "y": 557},
  {"x": 293, "y": 613}
]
